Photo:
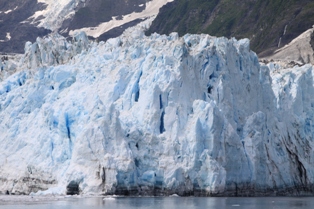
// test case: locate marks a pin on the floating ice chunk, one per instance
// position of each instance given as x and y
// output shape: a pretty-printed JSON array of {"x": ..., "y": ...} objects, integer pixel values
[
  {"x": 109, "y": 198},
  {"x": 174, "y": 195}
]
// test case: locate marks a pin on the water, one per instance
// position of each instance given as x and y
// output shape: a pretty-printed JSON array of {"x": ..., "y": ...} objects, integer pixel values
[{"x": 166, "y": 203}]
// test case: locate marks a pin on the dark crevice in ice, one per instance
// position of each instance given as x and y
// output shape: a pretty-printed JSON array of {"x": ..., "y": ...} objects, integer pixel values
[
  {"x": 160, "y": 102},
  {"x": 162, "y": 126},
  {"x": 73, "y": 188},
  {"x": 136, "y": 89}
]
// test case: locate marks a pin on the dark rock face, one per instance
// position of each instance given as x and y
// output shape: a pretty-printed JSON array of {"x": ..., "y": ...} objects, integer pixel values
[
  {"x": 11, "y": 23},
  {"x": 97, "y": 11}
]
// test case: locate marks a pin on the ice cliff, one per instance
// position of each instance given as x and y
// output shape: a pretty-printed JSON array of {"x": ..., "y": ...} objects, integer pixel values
[{"x": 193, "y": 115}]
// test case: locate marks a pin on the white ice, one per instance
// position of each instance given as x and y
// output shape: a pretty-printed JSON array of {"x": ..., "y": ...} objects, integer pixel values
[{"x": 182, "y": 114}]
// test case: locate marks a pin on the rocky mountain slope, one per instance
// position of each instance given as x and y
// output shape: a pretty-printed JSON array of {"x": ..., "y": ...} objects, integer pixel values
[
  {"x": 300, "y": 50},
  {"x": 25, "y": 20},
  {"x": 13, "y": 32},
  {"x": 192, "y": 115},
  {"x": 269, "y": 24}
]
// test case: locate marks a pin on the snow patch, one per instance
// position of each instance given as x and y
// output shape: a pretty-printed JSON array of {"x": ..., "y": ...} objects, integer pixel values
[
  {"x": 7, "y": 12},
  {"x": 8, "y": 36}
]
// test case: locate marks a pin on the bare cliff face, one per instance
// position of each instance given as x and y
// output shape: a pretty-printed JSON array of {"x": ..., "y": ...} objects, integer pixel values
[
  {"x": 13, "y": 32},
  {"x": 94, "y": 12},
  {"x": 299, "y": 50}
]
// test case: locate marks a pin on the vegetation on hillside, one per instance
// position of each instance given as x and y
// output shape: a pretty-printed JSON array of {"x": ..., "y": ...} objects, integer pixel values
[{"x": 262, "y": 21}]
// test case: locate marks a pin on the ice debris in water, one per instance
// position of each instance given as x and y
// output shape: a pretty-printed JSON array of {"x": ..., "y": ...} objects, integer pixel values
[
  {"x": 155, "y": 115},
  {"x": 110, "y": 198}
]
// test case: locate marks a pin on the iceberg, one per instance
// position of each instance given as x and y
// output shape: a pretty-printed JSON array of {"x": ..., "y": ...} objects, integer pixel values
[{"x": 157, "y": 115}]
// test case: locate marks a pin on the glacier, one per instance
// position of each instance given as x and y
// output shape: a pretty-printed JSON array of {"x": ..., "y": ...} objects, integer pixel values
[{"x": 158, "y": 115}]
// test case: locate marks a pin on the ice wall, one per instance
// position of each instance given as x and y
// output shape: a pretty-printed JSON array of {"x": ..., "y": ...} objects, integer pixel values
[{"x": 156, "y": 115}]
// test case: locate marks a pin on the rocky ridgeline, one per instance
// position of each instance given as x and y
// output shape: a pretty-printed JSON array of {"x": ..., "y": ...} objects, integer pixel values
[{"x": 192, "y": 115}]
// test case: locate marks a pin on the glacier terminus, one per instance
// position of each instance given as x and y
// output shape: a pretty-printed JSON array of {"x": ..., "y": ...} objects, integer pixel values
[{"x": 154, "y": 115}]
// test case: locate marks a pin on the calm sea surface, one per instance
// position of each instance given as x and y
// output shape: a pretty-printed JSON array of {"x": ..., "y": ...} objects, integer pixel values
[{"x": 165, "y": 203}]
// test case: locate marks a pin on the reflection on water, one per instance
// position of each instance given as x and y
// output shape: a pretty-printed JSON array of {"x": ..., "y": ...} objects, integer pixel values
[{"x": 169, "y": 203}]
